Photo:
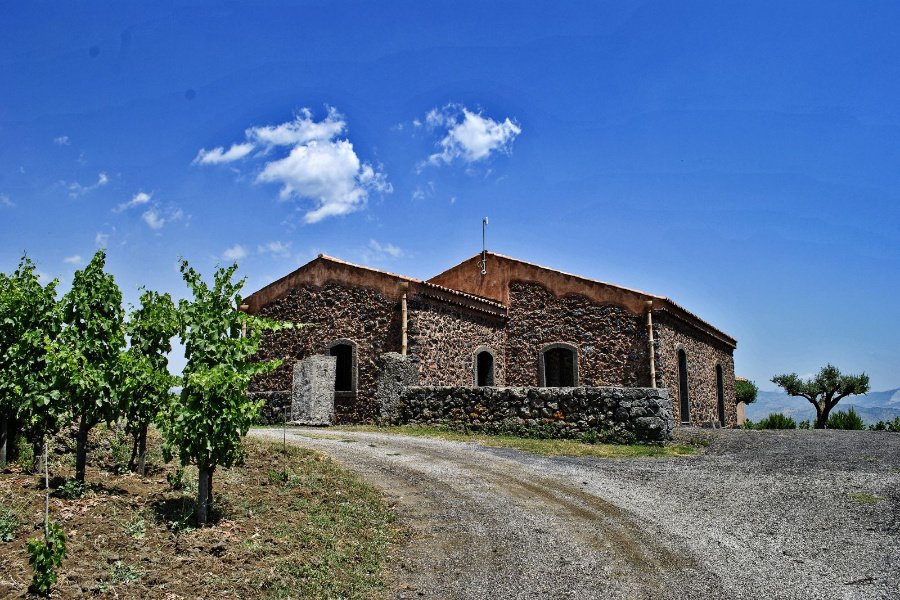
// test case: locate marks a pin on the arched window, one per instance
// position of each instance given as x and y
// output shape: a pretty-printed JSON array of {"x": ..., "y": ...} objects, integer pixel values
[
  {"x": 559, "y": 366},
  {"x": 345, "y": 374},
  {"x": 484, "y": 368},
  {"x": 720, "y": 394},
  {"x": 683, "y": 387}
]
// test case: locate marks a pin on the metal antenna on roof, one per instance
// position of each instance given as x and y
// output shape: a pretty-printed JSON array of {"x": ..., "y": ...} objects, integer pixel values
[{"x": 484, "y": 223}]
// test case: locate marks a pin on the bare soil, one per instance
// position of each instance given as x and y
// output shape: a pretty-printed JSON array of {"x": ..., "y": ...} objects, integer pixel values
[{"x": 291, "y": 525}]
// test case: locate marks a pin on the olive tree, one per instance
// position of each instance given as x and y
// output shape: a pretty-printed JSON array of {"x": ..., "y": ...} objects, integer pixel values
[
  {"x": 206, "y": 423},
  {"x": 29, "y": 322},
  {"x": 87, "y": 355},
  {"x": 146, "y": 382},
  {"x": 825, "y": 390},
  {"x": 745, "y": 391}
]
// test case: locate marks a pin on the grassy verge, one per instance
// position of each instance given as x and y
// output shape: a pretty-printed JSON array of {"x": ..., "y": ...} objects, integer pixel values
[
  {"x": 542, "y": 447},
  {"x": 287, "y": 525}
]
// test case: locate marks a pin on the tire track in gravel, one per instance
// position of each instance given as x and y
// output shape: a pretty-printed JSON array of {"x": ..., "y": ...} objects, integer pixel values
[{"x": 486, "y": 526}]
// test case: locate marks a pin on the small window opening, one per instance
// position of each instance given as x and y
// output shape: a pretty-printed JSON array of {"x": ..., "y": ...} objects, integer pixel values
[
  {"x": 343, "y": 381},
  {"x": 720, "y": 394},
  {"x": 484, "y": 365},
  {"x": 683, "y": 387},
  {"x": 559, "y": 367}
]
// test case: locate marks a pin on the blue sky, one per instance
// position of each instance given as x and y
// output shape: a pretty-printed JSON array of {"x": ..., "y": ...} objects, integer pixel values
[{"x": 740, "y": 158}]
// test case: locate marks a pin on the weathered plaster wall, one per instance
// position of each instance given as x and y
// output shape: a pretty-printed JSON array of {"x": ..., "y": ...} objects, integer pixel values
[
  {"x": 443, "y": 340},
  {"x": 562, "y": 412},
  {"x": 327, "y": 313},
  {"x": 702, "y": 357},
  {"x": 612, "y": 342}
]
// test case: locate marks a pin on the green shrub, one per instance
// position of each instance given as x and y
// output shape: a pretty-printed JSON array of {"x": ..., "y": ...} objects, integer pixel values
[
  {"x": 72, "y": 489},
  {"x": 777, "y": 421},
  {"x": 848, "y": 420},
  {"x": 805, "y": 424},
  {"x": 176, "y": 479},
  {"x": 749, "y": 424},
  {"x": 24, "y": 454},
  {"x": 45, "y": 556},
  {"x": 9, "y": 524},
  {"x": 887, "y": 426}
]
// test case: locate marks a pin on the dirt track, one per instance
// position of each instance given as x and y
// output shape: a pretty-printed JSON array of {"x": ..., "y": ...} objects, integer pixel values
[{"x": 760, "y": 514}]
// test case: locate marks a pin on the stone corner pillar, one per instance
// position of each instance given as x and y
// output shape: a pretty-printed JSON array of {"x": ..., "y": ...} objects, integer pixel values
[
  {"x": 312, "y": 394},
  {"x": 396, "y": 373}
]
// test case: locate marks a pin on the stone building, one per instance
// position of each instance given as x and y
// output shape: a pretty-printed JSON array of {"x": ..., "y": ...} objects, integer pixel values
[{"x": 494, "y": 321}]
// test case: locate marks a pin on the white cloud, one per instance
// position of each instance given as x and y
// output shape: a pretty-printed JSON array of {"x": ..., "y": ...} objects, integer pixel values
[
  {"x": 276, "y": 248},
  {"x": 75, "y": 259},
  {"x": 303, "y": 129},
  {"x": 236, "y": 252},
  {"x": 156, "y": 218},
  {"x": 101, "y": 239},
  {"x": 6, "y": 202},
  {"x": 319, "y": 166},
  {"x": 469, "y": 136},
  {"x": 418, "y": 193},
  {"x": 62, "y": 140},
  {"x": 136, "y": 200},
  {"x": 220, "y": 155},
  {"x": 153, "y": 220},
  {"x": 385, "y": 249},
  {"x": 76, "y": 189}
]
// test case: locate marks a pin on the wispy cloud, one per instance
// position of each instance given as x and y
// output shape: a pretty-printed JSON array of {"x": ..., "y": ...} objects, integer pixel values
[
  {"x": 219, "y": 155},
  {"x": 276, "y": 248},
  {"x": 75, "y": 259},
  {"x": 236, "y": 252},
  {"x": 6, "y": 202},
  {"x": 101, "y": 239},
  {"x": 62, "y": 140},
  {"x": 156, "y": 218},
  {"x": 76, "y": 189},
  {"x": 320, "y": 166},
  {"x": 136, "y": 200},
  {"x": 383, "y": 250},
  {"x": 467, "y": 136}
]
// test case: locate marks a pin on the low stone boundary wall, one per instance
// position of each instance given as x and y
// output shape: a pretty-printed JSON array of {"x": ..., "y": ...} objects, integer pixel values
[{"x": 608, "y": 412}]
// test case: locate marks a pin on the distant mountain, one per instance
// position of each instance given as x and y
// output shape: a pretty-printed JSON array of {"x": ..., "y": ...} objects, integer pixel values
[{"x": 872, "y": 407}]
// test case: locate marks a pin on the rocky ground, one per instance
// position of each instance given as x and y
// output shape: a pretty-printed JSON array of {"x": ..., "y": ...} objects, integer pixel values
[{"x": 759, "y": 514}]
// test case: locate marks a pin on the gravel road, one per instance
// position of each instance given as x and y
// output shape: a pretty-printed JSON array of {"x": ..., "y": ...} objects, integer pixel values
[{"x": 797, "y": 514}]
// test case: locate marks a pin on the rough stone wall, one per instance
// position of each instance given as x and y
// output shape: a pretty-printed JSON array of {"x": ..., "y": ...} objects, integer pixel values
[
  {"x": 443, "y": 340},
  {"x": 562, "y": 412},
  {"x": 276, "y": 406},
  {"x": 702, "y": 356},
  {"x": 612, "y": 342},
  {"x": 328, "y": 313}
]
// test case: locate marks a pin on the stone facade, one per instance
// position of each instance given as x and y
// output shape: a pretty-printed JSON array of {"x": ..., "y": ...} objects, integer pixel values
[
  {"x": 702, "y": 357},
  {"x": 646, "y": 413},
  {"x": 516, "y": 312},
  {"x": 329, "y": 313},
  {"x": 444, "y": 341},
  {"x": 611, "y": 343}
]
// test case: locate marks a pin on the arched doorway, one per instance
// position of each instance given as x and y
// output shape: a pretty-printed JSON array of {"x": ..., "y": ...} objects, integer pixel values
[
  {"x": 720, "y": 394},
  {"x": 484, "y": 369},
  {"x": 345, "y": 373},
  {"x": 683, "y": 387},
  {"x": 559, "y": 366}
]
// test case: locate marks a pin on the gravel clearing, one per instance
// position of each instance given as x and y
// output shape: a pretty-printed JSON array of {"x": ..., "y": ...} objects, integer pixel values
[{"x": 760, "y": 514}]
